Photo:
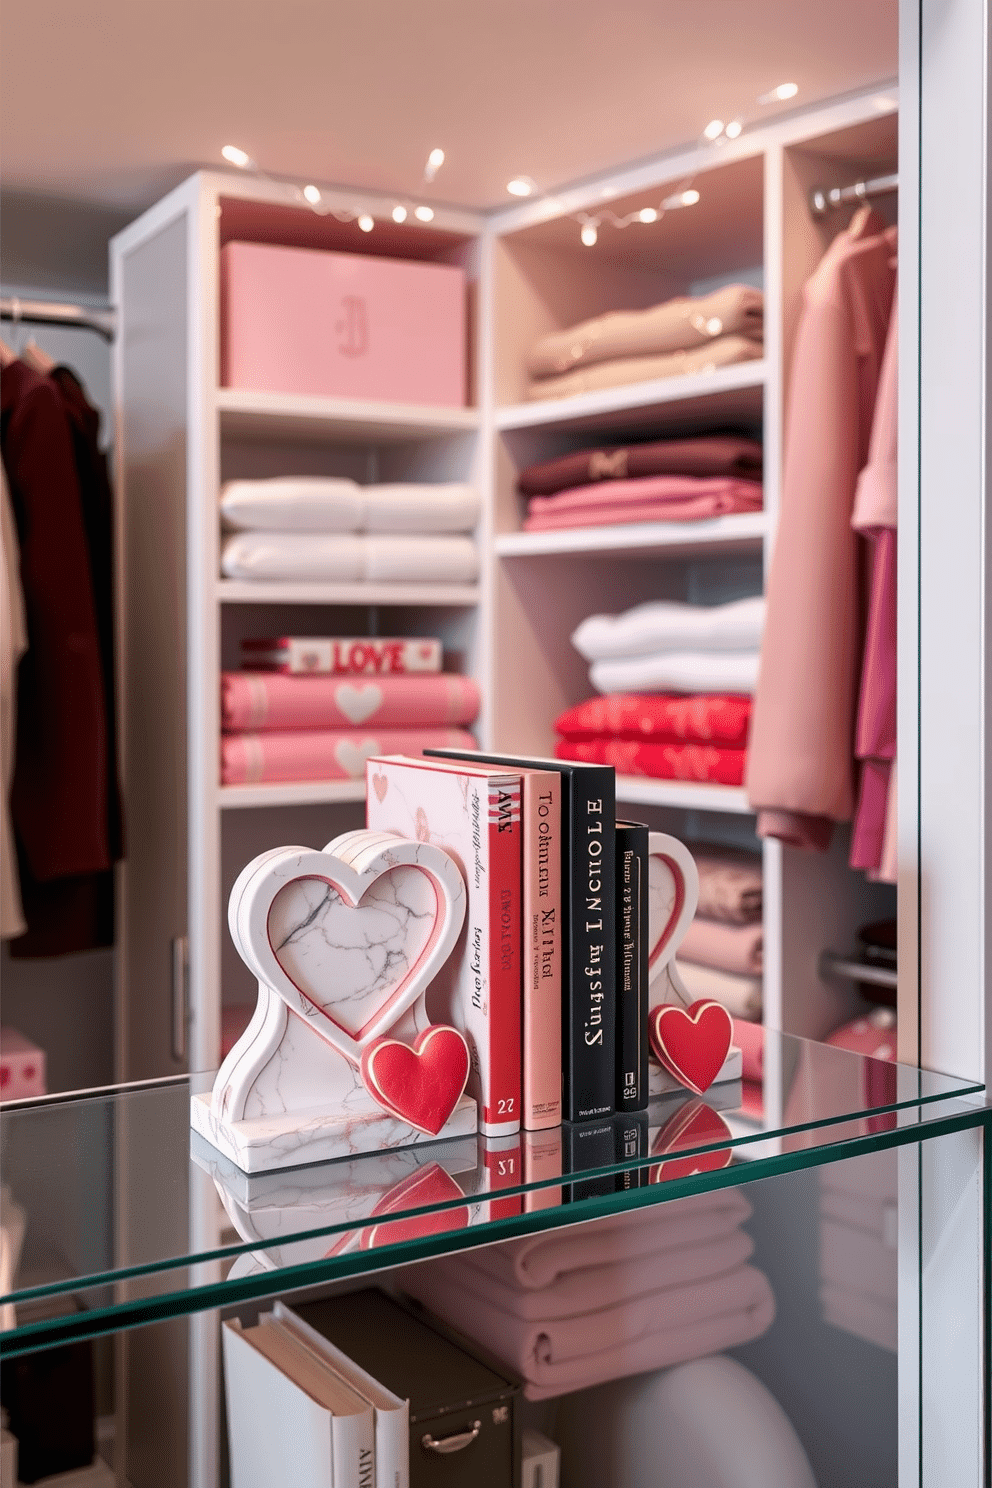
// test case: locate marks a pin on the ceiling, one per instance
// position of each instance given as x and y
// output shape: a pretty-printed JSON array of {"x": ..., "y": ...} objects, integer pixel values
[{"x": 115, "y": 101}]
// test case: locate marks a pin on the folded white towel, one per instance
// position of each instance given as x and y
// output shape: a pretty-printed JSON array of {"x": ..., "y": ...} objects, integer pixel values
[
  {"x": 664, "y": 625},
  {"x": 336, "y": 504},
  {"x": 349, "y": 558},
  {"x": 740, "y": 995},
  {"x": 678, "y": 671}
]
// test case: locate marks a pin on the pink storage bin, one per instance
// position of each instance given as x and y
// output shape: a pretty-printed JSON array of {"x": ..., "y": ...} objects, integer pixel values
[{"x": 295, "y": 320}]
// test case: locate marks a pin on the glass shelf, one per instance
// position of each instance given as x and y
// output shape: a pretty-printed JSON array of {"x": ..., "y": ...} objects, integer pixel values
[{"x": 130, "y": 1218}]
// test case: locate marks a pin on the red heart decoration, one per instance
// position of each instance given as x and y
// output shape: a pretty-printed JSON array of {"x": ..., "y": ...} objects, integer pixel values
[
  {"x": 432, "y": 1185},
  {"x": 423, "y": 1084},
  {"x": 694, "y": 1124},
  {"x": 691, "y": 1043}
]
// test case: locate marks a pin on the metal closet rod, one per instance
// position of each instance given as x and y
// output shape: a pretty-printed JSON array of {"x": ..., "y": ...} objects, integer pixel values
[
  {"x": 823, "y": 201},
  {"x": 56, "y": 312}
]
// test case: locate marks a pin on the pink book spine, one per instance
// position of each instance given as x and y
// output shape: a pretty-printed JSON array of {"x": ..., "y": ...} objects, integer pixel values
[
  {"x": 323, "y": 754},
  {"x": 354, "y": 656},
  {"x": 260, "y": 701},
  {"x": 542, "y": 949},
  {"x": 543, "y": 1157}
]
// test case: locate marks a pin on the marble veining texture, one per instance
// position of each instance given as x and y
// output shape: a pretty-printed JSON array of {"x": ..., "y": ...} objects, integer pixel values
[
  {"x": 350, "y": 960},
  {"x": 265, "y": 1143}
]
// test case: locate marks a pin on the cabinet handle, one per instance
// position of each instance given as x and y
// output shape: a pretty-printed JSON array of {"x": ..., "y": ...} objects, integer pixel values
[
  {"x": 448, "y": 1444},
  {"x": 180, "y": 996}
]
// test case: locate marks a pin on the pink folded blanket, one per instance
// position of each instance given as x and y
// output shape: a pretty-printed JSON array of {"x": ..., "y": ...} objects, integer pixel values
[
  {"x": 324, "y": 754},
  {"x": 699, "y": 762},
  {"x": 655, "y": 1331},
  {"x": 706, "y": 454},
  {"x": 662, "y": 718},
  {"x": 656, "y": 498},
  {"x": 597, "y": 1287},
  {"x": 252, "y": 701},
  {"x": 734, "y": 948},
  {"x": 539, "y": 1260}
]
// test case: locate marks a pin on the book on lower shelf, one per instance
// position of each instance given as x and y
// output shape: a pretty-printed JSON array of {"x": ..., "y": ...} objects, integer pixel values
[{"x": 291, "y": 1417}]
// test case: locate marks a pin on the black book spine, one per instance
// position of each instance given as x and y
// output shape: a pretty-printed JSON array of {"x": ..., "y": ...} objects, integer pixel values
[
  {"x": 632, "y": 966},
  {"x": 588, "y": 858},
  {"x": 632, "y": 1143}
]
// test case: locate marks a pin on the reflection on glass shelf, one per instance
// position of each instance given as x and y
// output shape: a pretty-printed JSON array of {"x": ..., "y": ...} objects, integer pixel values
[{"x": 128, "y": 1153}]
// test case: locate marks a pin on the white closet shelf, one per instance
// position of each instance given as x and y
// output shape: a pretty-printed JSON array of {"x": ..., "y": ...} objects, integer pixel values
[
  {"x": 691, "y": 795},
  {"x": 292, "y": 793},
  {"x": 725, "y": 393},
  {"x": 287, "y": 416},
  {"x": 246, "y": 591},
  {"x": 741, "y": 531}
]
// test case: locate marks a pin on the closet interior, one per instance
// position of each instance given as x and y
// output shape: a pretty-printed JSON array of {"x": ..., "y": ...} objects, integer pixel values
[{"x": 763, "y": 218}]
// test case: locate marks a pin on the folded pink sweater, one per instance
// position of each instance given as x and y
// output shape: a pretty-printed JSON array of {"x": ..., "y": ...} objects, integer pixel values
[
  {"x": 658, "y": 498},
  {"x": 651, "y": 1332},
  {"x": 252, "y": 701}
]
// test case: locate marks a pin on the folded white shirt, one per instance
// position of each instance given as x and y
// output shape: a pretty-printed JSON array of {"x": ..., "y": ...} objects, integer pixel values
[
  {"x": 337, "y": 504},
  {"x": 678, "y": 671},
  {"x": 349, "y": 558},
  {"x": 664, "y": 625}
]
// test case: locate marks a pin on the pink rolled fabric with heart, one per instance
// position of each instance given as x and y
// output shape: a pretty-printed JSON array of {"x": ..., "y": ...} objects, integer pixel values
[
  {"x": 324, "y": 754},
  {"x": 735, "y": 948},
  {"x": 260, "y": 701}
]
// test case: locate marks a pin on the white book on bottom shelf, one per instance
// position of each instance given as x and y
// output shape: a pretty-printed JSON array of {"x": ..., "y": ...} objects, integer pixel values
[
  {"x": 392, "y": 1415},
  {"x": 291, "y": 1418}
]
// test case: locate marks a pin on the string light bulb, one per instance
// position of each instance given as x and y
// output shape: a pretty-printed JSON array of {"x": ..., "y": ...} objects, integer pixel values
[
  {"x": 733, "y": 129},
  {"x": 520, "y": 186},
  {"x": 235, "y": 156},
  {"x": 688, "y": 198},
  {"x": 780, "y": 94},
  {"x": 713, "y": 130},
  {"x": 312, "y": 195},
  {"x": 399, "y": 214},
  {"x": 589, "y": 234},
  {"x": 435, "y": 160},
  {"x": 366, "y": 223},
  {"x": 424, "y": 214},
  {"x": 648, "y": 214}
]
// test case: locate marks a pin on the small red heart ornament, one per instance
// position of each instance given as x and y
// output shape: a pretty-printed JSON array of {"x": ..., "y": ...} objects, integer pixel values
[
  {"x": 432, "y": 1185},
  {"x": 691, "y": 1043},
  {"x": 422, "y": 1083},
  {"x": 694, "y": 1125}
]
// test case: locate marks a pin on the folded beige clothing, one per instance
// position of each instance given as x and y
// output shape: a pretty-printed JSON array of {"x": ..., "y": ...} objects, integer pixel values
[
  {"x": 722, "y": 352},
  {"x": 539, "y": 1260},
  {"x": 730, "y": 884},
  {"x": 740, "y": 995},
  {"x": 733, "y": 948},
  {"x": 675, "y": 325}
]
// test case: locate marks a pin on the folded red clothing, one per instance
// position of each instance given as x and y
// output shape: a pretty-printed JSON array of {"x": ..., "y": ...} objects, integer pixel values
[
  {"x": 707, "y": 454},
  {"x": 324, "y": 754},
  {"x": 700, "y": 762},
  {"x": 660, "y": 498},
  {"x": 720, "y": 718},
  {"x": 273, "y": 700}
]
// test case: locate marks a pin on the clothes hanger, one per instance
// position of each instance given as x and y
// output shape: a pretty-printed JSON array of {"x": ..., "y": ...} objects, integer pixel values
[
  {"x": 858, "y": 224},
  {"x": 36, "y": 359},
  {"x": 7, "y": 355}
]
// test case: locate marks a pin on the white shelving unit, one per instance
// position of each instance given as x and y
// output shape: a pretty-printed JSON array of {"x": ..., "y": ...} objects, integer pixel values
[{"x": 180, "y": 434}]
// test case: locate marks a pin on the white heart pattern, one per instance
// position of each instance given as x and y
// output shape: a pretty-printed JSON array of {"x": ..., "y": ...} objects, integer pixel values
[
  {"x": 349, "y": 945},
  {"x": 351, "y": 756},
  {"x": 358, "y": 700}
]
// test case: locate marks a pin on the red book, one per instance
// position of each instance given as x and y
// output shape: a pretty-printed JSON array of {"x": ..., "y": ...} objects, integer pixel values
[{"x": 474, "y": 815}]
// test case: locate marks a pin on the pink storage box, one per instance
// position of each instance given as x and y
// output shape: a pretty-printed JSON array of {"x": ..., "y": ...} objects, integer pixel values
[
  {"x": 22, "y": 1066},
  {"x": 295, "y": 320}
]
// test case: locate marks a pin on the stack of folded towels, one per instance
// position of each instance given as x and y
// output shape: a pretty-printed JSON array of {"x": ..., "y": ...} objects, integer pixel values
[
  {"x": 635, "y": 1291},
  {"x": 669, "y": 340},
  {"x": 678, "y": 681},
  {"x": 859, "y": 1271},
  {"x": 721, "y": 955},
  {"x": 332, "y": 530},
  {"x": 324, "y": 727},
  {"x": 671, "y": 480}
]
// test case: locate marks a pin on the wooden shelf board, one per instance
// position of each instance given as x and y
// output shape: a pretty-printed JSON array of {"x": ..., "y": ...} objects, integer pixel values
[
  {"x": 725, "y": 393},
  {"x": 247, "y": 591},
  {"x": 637, "y": 790},
  {"x": 286, "y": 416},
  {"x": 745, "y": 530},
  {"x": 292, "y": 793}
]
